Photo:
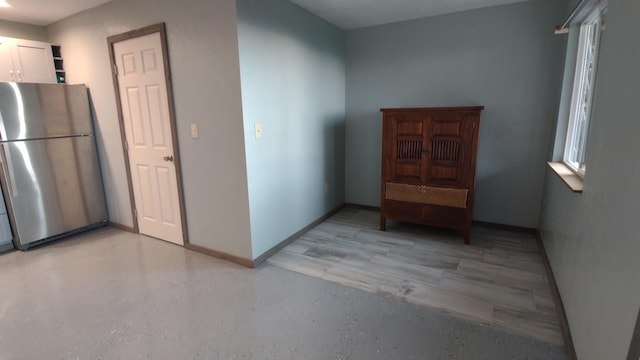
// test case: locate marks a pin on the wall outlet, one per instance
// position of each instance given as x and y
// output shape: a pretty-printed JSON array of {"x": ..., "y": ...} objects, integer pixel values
[
  {"x": 258, "y": 129},
  {"x": 326, "y": 188}
]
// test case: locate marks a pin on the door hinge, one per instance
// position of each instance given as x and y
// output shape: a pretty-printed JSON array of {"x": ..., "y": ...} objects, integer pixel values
[
  {"x": 115, "y": 69},
  {"x": 135, "y": 213},
  {"x": 126, "y": 145}
]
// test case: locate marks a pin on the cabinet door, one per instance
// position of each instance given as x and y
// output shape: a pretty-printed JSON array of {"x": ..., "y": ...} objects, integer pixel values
[
  {"x": 450, "y": 138},
  {"x": 406, "y": 147},
  {"x": 6, "y": 65},
  {"x": 33, "y": 62}
]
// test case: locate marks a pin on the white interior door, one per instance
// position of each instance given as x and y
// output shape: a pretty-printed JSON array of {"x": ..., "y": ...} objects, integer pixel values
[{"x": 145, "y": 109}]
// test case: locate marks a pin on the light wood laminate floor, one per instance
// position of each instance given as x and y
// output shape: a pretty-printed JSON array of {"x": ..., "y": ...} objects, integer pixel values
[{"x": 499, "y": 280}]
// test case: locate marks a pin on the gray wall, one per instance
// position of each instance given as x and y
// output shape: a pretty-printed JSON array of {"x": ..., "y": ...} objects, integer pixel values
[
  {"x": 505, "y": 58},
  {"x": 591, "y": 239},
  {"x": 22, "y": 31},
  {"x": 292, "y": 67},
  {"x": 203, "y": 53}
]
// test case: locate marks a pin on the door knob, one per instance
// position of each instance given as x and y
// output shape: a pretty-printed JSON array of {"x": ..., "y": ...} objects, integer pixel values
[{"x": 168, "y": 158}]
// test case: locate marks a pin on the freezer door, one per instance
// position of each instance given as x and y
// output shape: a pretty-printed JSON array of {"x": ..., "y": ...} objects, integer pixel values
[
  {"x": 53, "y": 186},
  {"x": 35, "y": 111}
]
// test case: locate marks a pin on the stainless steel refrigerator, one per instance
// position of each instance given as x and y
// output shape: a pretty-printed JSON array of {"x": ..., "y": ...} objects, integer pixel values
[{"x": 50, "y": 173}]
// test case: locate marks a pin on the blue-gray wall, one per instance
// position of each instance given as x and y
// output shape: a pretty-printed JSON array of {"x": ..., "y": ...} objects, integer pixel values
[
  {"x": 505, "y": 58},
  {"x": 592, "y": 239},
  {"x": 292, "y": 69}
]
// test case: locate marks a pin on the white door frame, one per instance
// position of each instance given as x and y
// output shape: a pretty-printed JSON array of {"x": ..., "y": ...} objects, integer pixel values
[{"x": 157, "y": 28}]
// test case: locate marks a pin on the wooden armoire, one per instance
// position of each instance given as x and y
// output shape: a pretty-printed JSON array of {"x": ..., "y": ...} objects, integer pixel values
[{"x": 429, "y": 166}]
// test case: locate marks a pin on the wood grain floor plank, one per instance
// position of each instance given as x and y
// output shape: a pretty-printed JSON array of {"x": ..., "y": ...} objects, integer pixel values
[
  {"x": 298, "y": 247},
  {"x": 358, "y": 243},
  {"x": 496, "y": 293},
  {"x": 511, "y": 260},
  {"x": 362, "y": 279},
  {"x": 300, "y": 263},
  {"x": 540, "y": 326},
  {"x": 498, "y": 280},
  {"x": 389, "y": 240},
  {"x": 419, "y": 274},
  {"x": 502, "y": 274},
  {"x": 435, "y": 248},
  {"x": 442, "y": 262}
]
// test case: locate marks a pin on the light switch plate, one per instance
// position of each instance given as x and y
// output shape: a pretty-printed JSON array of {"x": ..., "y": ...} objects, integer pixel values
[
  {"x": 258, "y": 128},
  {"x": 194, "y": 131}
]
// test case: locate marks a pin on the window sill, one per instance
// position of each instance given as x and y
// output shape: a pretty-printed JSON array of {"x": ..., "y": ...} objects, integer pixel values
[{"x": 573, "y": 181}]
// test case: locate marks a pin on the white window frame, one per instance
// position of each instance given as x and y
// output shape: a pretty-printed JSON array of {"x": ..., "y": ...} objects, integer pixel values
[{"x": 583, "y": 89}]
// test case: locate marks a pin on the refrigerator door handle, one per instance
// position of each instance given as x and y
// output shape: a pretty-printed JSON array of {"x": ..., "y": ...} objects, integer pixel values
[{"x": 7, "y": 169}]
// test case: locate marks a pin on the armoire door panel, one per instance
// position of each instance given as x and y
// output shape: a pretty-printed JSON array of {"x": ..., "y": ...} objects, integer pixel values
[
  {"x": 408, "y": 172},
  {"x": 451, "y": 127},
  {"x": 443, "y": 175},
  {"x": 409, "y": 149},
  {"x": 445, "y": 150},
  {"x": 406, "y": 137},
  {"x": 412, "y": 127},
  {"x": 447, "y": 137}
]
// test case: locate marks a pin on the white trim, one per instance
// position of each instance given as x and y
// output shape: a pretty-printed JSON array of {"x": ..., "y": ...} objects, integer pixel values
[{"x": 574, "y": 157}]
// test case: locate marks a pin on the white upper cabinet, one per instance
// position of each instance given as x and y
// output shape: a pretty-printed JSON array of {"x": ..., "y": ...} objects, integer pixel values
[
  {"x": 26, "y": 61},
  {"x": 6, "y": 64}
]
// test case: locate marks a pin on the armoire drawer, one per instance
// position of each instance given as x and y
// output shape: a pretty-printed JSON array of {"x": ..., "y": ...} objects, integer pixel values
[{"x": 423, "y": 194}]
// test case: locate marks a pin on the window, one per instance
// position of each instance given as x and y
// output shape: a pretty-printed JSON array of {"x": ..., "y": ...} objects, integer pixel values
[{"x": 583, "y": 88}]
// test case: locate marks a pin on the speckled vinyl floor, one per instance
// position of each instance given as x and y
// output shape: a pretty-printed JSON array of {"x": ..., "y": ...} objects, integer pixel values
[{"x": 114, "y": 295}]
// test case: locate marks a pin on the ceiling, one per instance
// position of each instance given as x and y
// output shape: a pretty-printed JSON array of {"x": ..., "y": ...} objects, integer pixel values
[
  {"x": 346, "y": 14},
  {"x": 44, "y": 12},
  {"x": 354, "y": 14}
]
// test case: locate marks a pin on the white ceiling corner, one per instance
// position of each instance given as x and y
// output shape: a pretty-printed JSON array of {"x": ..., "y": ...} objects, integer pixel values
[
  {"x": 354, "y": 14},
  {"x": 346, "y": 14},
  {"x": 45, "y": 12}
]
